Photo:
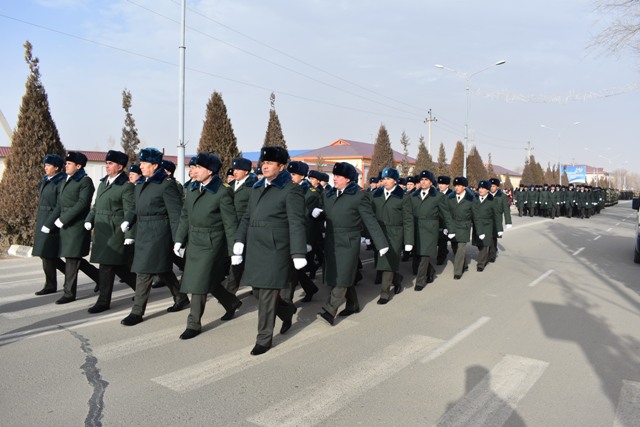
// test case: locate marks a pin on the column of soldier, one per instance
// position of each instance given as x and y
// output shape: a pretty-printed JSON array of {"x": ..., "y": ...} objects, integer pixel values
[
  {"x": 555, "y": 200},
  {"x": 270, "y": 231}
]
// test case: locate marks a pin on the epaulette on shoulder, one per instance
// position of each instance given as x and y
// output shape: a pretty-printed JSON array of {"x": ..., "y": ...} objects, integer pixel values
[
  {"x": 312, "y": 189},
  {"x": 226, "y": 185}
]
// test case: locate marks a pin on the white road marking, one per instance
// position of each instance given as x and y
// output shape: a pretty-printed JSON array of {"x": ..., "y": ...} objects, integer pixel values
[
  {"x": 597, "y": 237},
  {"x": 541, "y": 278},
  {"x": 610, "y": 228},
  {"x": 628, "y": 409},
  {"x": 196, "y": 376},
  {"x": 151, "y": 340},
  {"x": 455, "y": 339},
  {"x": 491, "y": 402},
  {"x": 578, "y": 251},
  {"x": 318, "y": 402}
]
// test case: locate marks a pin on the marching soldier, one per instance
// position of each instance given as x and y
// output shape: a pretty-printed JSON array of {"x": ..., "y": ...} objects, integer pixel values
[
  {"x": 241, "y": 186},
  {"x": 298, "y": 171},
  {"x": 207, "y": 227},
  {"x": 230, "y": 176},
  {"x": 428, "y": 207},
  {"x": 487, "y": 221},
  {"x": 135, "y": 174},
  {"x": 460, "y": 204},
  {"x": 554, "y": 202},
  {"x": 347, "y": 209},
  {"x": 110, "y": 245},
  {"x": 187, "y": 185},
  {"x": 318, "y": 244},
  {"x": 46, "y": 244},
  {"x": 273, "y": 231},
  {"x": 324, "y": 181},
  {"x": 74, "y": 203},
  {"x": 373, "y": 183},
  {"x": 393, "y": 212},
  {"x": 443, "y": 240},
  {"x": 502, "y": 206},
  {"x": 156, "y": 215}
]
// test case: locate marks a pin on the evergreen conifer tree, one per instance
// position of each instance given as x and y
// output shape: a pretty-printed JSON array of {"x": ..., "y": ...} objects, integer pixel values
[
  {"x": 475, "y": 167},
  {"x": 382, "y": 154},
  {"x": 565, "y": 178},
  {"x": 527, "y": 173},
  {"x": 274, "y": 135},
  {"x": 548, "y": 175},
  {"x": 490, "y": 172},
  {"x": 507, "y": 183},
  {"x": 129, "y": 140},
  {"x": 441, "y": 168},
  {"x": 404, "y": 165},
  {"x": 423, "y": 159},
  {"x": 217, "y": 133},
  {"x": 35, "y": 136},
  {"x": 538, "y": 173},
  {"x": 457, "y": 161}
]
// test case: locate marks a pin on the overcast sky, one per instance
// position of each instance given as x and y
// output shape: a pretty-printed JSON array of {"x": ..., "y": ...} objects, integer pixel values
[{"x": 339, "y": 69}]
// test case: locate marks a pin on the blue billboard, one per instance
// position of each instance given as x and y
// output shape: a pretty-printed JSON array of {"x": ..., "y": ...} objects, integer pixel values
[{"x": 576, "y": 174}]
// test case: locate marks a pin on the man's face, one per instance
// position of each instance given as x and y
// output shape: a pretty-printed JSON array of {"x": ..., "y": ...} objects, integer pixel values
[
  {"x": 70, "y": 168},
  {"x": 113, "y": 169},
  {"x": 459, "y": 189},
  {"x": 296, "y": 178},
  {"x": 271, "y": 169},
  {"x": 388, "y": 183},
  {"x": 483, "y": 191},
  {"x": 192, "y": 170},
  {"x": 425, "y": 183},
  {"x": 202, "y": 174},
  {"x": 148, "y": 169},
  {"x": 50, "y": 170},
  {"x": 314, "y": 181},
  {"x": 494, "y": 188},
  {"x": 373, "y": 185},
  {"x": 239, "y": 174},
  {"x": 410, "y": 186},
  {"x": 230, "y": 178},
  {"x": 340, "y": 182},
  {"x": 133, "y": 177},
  {"x": 443, "y": 187}
]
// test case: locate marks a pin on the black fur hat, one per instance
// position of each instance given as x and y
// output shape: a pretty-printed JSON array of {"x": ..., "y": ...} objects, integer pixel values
[
  {"x": 299, "y": 168},
  {"x": 315, "y": 174},
  {"x": 429, "y": 175},
  {"x": 484, "y": 184},
  {"x": 346, "y": 170},
  {"x": 151, "y": 155},
  {"x": 117, "y": 157},
  {"x": 135, "y": 168},
  {"x": 53, "y": 160},
  {"x": 209, "y": 161},
  {"x": 495, "y": 181},
  {"x": 274, "y": 154},
  {"x": 77, "y": 158},
  {"x": 242, "y": 164},
  {"x": 443, "y": 179},
  {"x": 460, "y": 180}
]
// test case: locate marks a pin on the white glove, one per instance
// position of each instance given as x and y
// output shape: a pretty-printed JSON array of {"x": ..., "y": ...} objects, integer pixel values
[
  {"x": 299, "y": 263},
  {"x": 124, "y": 226},
  {"x": 88, "y": 226},
  {"x": 129, "y": 242},
  {"x": 363, "y": 240},
  {"x": 407, "y": 248},
  {"x": 236, "y": 260},
  {"x": 45, "y": 229},
  {"x": 482, "y": 236},
  {"x": 178, "y": 249},
  {"x": 509, "y": 226},
  {"x": 500, "y": 233},
  {"x": 525, "y": 202},
  {"x": 59, "y": 223},
  {"x": 383, "y": 251},
  {"x": 445, "y": 231},
  {"x": 238, "y": 248},
  {"x": 451, "y": 236},
  {"x": 316, "y": 212},
  {"x": 309, "y": 248},
  {"x": 367, "y": 242}
]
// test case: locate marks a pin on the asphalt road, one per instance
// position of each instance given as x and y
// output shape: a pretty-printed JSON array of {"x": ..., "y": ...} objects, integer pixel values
[{"x": 546, "y": 336}]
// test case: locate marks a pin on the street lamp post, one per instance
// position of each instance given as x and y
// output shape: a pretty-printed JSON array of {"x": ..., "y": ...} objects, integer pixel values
[
  {"x": 559, "y": 133},
  {"x": 467, "y": 77}
]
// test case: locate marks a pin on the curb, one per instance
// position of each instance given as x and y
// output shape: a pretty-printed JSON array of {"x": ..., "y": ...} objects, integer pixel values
[{"x": 20, "y": 251}]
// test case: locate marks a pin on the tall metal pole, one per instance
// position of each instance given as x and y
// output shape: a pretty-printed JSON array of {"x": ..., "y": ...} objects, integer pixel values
[
  {"x": 182, "y": 48},
  {"x": 466, "y": 133},
  {"x": 430, "y": 120}
]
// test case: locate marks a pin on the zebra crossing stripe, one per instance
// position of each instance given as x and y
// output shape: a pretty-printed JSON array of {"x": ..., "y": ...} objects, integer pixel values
[
  {"x": 628, "y": 409},
  {"x": 455, "y": 339},
  {"x": 196, "y": 376},
  {"x": 319, "y": 402},
  {"x": 491, "y": 402}
]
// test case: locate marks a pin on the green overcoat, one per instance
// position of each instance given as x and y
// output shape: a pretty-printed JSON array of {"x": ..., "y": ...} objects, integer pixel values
[
  {"x": 272, "y": 230},
  {"x": 501, "y": 201},
  {"x": 396, "y": 220},
  {"x": 241, "y": 195},
  {"x": 311, "y": 201},
  {"x": 106, "y": 215},
  {"x": 486, "y": 220},
  {"x": 427, "y": 214},
  {"x": 208, "y": 225},
  {"x": 156, "y": 215},
  {"x": 345, "y": 217},
  {"x": 47, "y": 245},
  {"x": 461, "y": 216},
  {"x": 74, "y": 204}
]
